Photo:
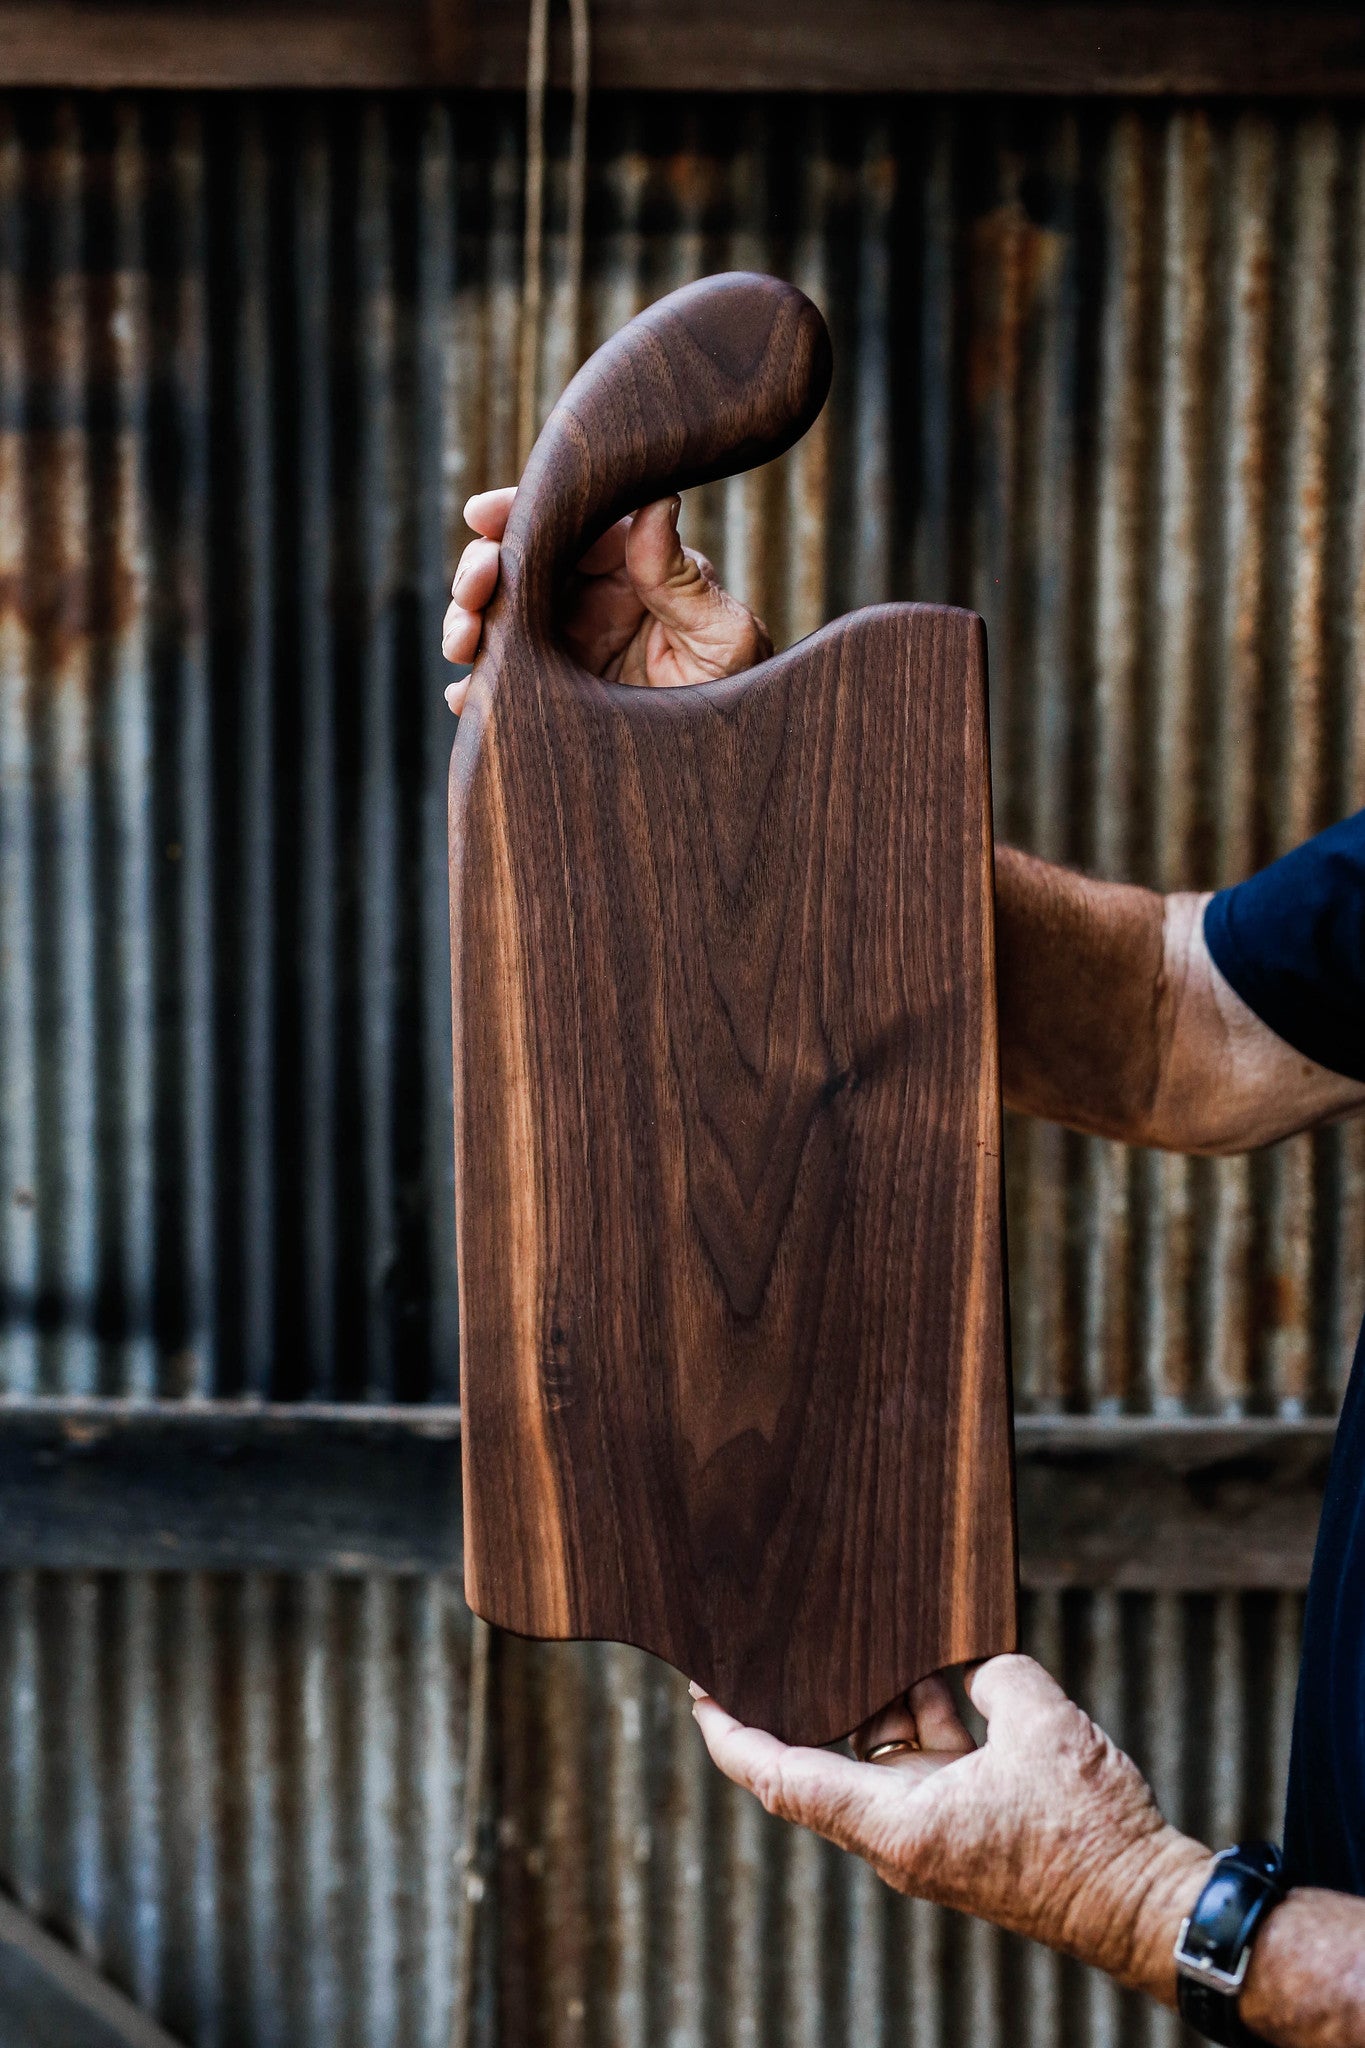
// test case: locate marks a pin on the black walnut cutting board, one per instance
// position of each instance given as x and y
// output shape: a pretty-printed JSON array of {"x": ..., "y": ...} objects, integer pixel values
[{"x": 733, "y": 1353}]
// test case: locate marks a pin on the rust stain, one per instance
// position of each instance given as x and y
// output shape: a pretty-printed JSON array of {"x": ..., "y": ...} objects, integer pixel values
[
  {"x": 1012, "y": 259},
  {"x": 1282, "y": 1301}
]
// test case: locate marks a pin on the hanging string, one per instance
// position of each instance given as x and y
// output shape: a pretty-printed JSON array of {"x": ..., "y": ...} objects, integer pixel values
[
  {"x": 580, "y": 30},
  {"x": 474, "y": 1878},
  {"x": 532, "y": 257},
  {"x": 532, "y": 333}
]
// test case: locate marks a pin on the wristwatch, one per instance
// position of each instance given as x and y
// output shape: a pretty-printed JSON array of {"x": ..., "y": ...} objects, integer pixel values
[{"x": 1214, "y": 1946}]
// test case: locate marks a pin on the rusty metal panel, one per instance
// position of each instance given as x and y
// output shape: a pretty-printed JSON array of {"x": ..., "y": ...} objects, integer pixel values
[
  {"x": 1099, "y": 376},
  {"x": 641, "y": 1899}
]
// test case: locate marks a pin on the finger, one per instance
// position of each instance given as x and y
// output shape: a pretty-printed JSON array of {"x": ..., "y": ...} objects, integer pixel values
[
  {"x": 476, "y": 578},
  {"x": 607, "y": 552},
  {"x": 456, "y": 693},
  {"x": 813, "y": 1787},
  {"x": 1006, "y": 1689},
  {"x": 893, "y": 1723},
  {"x": 461, "y": 634},
  {"x": 941, "y": 1727},
  {"x": 487, "y": 511}
]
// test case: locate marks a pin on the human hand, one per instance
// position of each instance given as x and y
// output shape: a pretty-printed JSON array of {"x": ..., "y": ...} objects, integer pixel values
[
  {"x": 640, "y": 608},
  {"x": 1048, "y": 1829}
]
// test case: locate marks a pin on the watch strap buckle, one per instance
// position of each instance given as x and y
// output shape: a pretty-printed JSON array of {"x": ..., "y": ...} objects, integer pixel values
[{"x": 1202, "y": 1969}]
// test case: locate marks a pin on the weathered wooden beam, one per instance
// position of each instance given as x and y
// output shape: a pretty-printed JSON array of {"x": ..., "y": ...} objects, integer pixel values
[
  {"x": 709, "y": 46},
  {"x": 227, "y": 1486},
  {"x": 1194, "y": 1506},
  {"x": 232, "y": 1486},
  {"x": 51, "y": 1998}
]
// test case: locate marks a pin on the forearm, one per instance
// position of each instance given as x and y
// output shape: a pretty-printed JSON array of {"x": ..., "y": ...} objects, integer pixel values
[
  {"x": 1306, "y": 1984},
  {"x": 1084, "y": 1008},
  {"x": 1114, "y": 1019}
]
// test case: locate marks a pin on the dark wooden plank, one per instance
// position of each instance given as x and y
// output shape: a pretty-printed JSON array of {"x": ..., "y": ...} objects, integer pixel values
[
  {"x": 216, "y": 1485},
  {"x": 734, "y": 1380},
  {"x": 222, "y": 1486},
  {"x": 1162, "y": 1506},
  {"x": 51, "y": 1998},
  {"x": 872, "y": 46}
]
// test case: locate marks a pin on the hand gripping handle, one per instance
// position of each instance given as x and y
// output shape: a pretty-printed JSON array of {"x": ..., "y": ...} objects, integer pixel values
[{"x": 716, "y": 378}]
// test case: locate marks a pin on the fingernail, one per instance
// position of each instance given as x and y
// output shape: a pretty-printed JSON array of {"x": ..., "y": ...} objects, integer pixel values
[{"x": 698, "y": 1692}]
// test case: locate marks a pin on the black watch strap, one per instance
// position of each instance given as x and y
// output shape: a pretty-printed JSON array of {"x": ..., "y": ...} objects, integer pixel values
[{"x": 1214, "y": 1948}]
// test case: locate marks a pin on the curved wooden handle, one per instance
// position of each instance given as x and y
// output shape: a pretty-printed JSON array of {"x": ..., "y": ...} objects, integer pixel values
[{"x": 716, "y": 378}]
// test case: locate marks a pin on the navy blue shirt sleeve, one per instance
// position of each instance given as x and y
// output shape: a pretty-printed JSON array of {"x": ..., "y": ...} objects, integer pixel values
[{"x": 1292, "y": 943}]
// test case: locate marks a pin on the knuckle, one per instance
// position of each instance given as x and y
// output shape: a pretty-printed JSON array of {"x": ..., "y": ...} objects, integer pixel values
[
  {"x": 683, "y": 574},
  {"x": 772, "y": 1790}
]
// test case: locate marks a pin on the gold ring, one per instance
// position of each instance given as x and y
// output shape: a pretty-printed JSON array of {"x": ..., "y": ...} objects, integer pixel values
[{"x": 880, "y": 1751}]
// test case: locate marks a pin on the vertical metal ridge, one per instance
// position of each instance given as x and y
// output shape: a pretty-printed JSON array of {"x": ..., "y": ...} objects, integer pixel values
[
  {"x": 85, "y": 1863},
  {"x": 381, "y": 930},
  {"x": 630, "y": 1735},
  {"x": 319, "y": 568},
  {"x": 684, "y": 1877},
  {"x": 1295, "y": 784},
  {"x": 447, "y": 362},
  {"x": 1110, "y": 836},
  {"x": 57, "y": 579},
  {"x": 746, "y": 500},
  {"x": 808, "y": 469},
  {"x": 1241, "y": 424},
  {"x": 199, "y": 1770},
  {"x": 121, "y": 357},
  {"x": 1047, "y": 634},
  {"x": 378, "y": 1921},
  {"x": 1179, "y": 601},
  {"x": 266, "y": 1985},
  {"x": 252, "y": 968},
  {"x": 188, "y": 1272},
  {"x": 323, "y": 1842},
  {"x": 428, "y": 1867},
  {"x": 872, "y": 454},
  {"x": 20, "y": 1271}
]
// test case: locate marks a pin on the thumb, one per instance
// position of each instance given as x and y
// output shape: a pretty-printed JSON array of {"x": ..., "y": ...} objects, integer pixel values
[
  {"x": 668, "y": 581},
  {"x": 1010, "y": 1691},
  {"x": 710, "y": 632}
]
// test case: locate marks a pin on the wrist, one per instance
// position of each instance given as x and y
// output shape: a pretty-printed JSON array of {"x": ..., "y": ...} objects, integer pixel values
[{"x": 1134, "y": 1916}]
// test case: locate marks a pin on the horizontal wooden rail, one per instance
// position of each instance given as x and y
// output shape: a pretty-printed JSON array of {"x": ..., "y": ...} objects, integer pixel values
[
  {"x": 1105, "y": 46},
  {"x": 1188, "y": 1505},
  {"x": 227, "y": 1486},
  {"x": 235, "y": 1486}
]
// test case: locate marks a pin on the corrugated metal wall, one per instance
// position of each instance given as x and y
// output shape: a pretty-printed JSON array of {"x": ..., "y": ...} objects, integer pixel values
[{"x": 1098, "y": 375}]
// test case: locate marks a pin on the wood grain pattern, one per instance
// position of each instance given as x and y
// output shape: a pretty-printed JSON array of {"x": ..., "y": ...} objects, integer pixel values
[{"x": 734, "y": 1376}]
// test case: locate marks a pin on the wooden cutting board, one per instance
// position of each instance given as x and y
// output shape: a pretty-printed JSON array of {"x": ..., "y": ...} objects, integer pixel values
[{"x": 733, "y": 1341}]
